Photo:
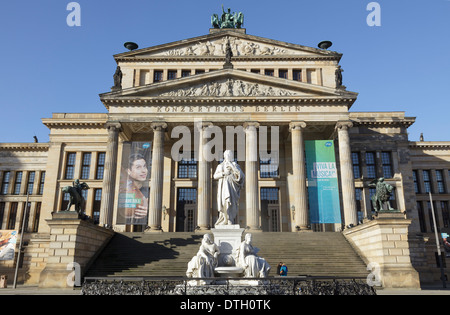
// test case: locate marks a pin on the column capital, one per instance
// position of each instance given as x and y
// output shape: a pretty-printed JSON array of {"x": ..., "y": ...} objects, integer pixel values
[
  {"x": 297, "y": 125},
  {"x": 202, "y": 125},
  {"x": 113, "y": 125},
  {"x": 344, "y": 125},
  {"x": 250, "y": 125},
  {"x": 158, "y": 126}
]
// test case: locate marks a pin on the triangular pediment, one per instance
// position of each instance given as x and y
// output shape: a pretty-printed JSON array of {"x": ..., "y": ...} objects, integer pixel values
[
  {"x": 214, "y": 45},
  {"x": 228, "y": 83}
]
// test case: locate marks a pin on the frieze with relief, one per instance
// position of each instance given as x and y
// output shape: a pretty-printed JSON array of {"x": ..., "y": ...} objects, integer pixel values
[
  {"x": 230, "y": 87},
  {"x": 240, "y": 47}
]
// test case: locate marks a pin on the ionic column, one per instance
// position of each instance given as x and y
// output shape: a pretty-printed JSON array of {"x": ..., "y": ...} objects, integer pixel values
[
  {"x": 157, "y": 176},
  {"x": 299, "y": 174},
  {"x": 347, "y": 181},
  {"x": 203, "y": 181},
  {"x": 109, "y": 175},
  {"x": 251, "y": 176}
]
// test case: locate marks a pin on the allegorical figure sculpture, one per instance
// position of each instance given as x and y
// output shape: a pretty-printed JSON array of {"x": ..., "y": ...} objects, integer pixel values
[
  {"x": 247, "y": 258},
  {"x": 228, "y": 19},
  {"x": 75, "y": 195},
  {"x": 117, "y": 79},
  {"x": 231, "y": 181},
  {"x": 203, "y": 264},
  {"x": 382, "y": 194}
]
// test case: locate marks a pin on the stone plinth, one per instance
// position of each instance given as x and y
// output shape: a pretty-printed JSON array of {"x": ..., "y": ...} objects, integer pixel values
[
  {"x": 73, "y": 244},
  {"x": 228, "y": 238},
  {"x": 383, "y": 244}
]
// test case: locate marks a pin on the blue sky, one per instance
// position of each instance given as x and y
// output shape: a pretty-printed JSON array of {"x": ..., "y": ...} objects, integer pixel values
[{"x": 47, "y": 66}]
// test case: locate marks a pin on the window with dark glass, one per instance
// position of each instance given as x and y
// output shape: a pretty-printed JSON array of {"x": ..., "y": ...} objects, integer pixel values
[
  {"x": 297, "y": 75},
  {"x": 371, "y": 165},
  {"x": 185, "y": 73},
  {"x": 41, "y": 183},
  {"x": 283, "y": 74},
  {"x": 423, "y": 225},
  {"x": 199, "y": 71},
  {"x": 356, "y": 165},
  {"x": 96, "y": 206},
  {"x": 12, "y": 216},
  {"x": 359, "y": 203},
  {"x": 100, "y": 165},
  {"x": 65, "y": 201},
  {"x": 187, "y": 168},
  {"x": 5, "y": 182},
  {"x": 18, "y": 183},
  {"x": 86, "y": 165},
  {"x": 386, "y": 162},
  {"x": 427, "y": 181},
  {"x": 2, "y": 213},
  {"x": 440, "y": 181},
  {"x": 430, "y": 215},
  {"x": 416, "y": 182},
  {"x": 257, "y": 71},
  {"x": 157, "y": 76},
  {"x": 30, "y": 183},
  {"x": 171, "y": 74},
  {"x": 37, "y": 215},
  {"x": 269, "y": 72},
  {"x": 445, "y": 214},
  {"x": 26, "y": 212},
  {"x": 268, "y": 166},
  {"x": 70, "y": 165}
]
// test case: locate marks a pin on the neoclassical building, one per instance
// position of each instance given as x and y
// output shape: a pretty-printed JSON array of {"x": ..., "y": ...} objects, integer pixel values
[{"x": 308, "y": 156}]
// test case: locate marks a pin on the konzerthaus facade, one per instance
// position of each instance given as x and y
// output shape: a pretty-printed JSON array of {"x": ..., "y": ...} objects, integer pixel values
[{"x": 271, "y": 105}]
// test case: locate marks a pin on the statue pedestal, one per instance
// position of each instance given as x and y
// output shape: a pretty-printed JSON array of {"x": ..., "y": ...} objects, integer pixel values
[{"x": 228, "y": 238}]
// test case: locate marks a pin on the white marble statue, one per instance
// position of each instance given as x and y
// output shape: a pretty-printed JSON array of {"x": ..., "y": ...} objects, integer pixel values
[
  {"x": 203, "y": 264},
  {"x": 231, "y": 181},
  {"x": 247, "y": 258}
]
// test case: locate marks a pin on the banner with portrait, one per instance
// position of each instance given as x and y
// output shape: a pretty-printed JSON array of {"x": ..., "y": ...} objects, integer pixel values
[
  {"x": 8, "y": 240},
  {"x": 323, "y": 188},
  {"x": 134, "y": 187}
]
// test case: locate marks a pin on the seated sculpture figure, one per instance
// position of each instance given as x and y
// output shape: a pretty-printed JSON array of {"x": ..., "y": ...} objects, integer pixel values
[
  {"x": 247, "y": 258},
  {"x": 203, "y": 264}
]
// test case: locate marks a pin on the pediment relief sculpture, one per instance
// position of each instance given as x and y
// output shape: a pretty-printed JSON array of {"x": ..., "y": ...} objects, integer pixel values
[{"x": 230, "y": 87}]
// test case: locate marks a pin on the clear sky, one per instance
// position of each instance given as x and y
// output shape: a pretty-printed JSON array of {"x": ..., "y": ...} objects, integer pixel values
[{"x": 47, "y": 66}]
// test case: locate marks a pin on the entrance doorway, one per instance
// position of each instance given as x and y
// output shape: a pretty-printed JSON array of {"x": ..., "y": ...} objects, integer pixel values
[
  {"x": 270, "y": 209},
  {"x": 186, "y": 209}
]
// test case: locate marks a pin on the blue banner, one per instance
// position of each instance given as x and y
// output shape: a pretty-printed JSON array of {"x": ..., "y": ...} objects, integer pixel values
[{"x": 323, "y": 189}]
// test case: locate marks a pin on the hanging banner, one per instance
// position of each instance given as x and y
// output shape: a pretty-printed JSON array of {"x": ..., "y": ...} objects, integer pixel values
[
  {"x": 134, "y": 183},
  {"x": 8, "y": 240},
  {"x": 323, "y": 189}
]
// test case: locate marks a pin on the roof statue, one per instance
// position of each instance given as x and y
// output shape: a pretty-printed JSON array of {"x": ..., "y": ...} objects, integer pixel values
[{"x": 227, "y": 20}]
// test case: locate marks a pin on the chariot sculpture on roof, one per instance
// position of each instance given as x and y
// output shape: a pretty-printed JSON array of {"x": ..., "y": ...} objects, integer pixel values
[{"x": 228, "y": 19}]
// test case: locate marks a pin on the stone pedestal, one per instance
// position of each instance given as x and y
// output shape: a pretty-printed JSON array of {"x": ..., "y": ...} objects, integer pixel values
[
  {"x": 383, "y": 244},
  {"x": 228, "y": 238},
  {"x": 73, "y": 244}
]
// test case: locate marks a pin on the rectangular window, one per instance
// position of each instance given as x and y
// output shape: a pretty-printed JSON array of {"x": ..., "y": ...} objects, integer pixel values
[
  {"x": 186, "y": 207},
  {"x": 268, "y": 167},
  {"x": 297, "y": 75},
  {"x": 41, "y": 183},
  {"x": 185, "y": 73},
  {"x": 18, "y": 183},
  {"x": 86, "y": 165},
  {"x": 12, "y": 216},
  {"x": 30, "y": 183},
  {"x": 387, "y": 164},
  {"x": 427, "y": 181},
  {"x": 157, "y": 76},
  {"x": 96, "y": 206},
  {"x": 423, "y": 225},
  {"x": 65, "y": 201},
  {"x": 269, "y": 72},
  {"x": 199, "y": 71},
  {"x": 416, "y": 182},
  {"x": 270, "y": 207},
  {"x": 430, "y": 215},
  {"x": 171, "y": 74},
  {"x": 2, "y": 213},
  {"x": 283, "y": 74},
  {"x": 356, "y": 165},
  {"x": 440, "y": 181},
  {"x": 37, "y": 215},
  {"x": 371, "y": 165},
  {"x": 445, "y": 213},
  {"x": 257, "y": 71},
  {"x": 187, "y": 168},
  {"x": 70, "y": 165},
  {"x": 5, "y": 182},
  {"x": 100, "y": 165},
  {"x": 359, "y": 204},
  {"x": 26, "y": 211}
]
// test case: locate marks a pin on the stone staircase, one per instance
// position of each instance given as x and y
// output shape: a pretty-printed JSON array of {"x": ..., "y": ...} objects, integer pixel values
[{"x": 167, "y": 254}]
